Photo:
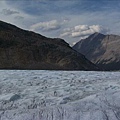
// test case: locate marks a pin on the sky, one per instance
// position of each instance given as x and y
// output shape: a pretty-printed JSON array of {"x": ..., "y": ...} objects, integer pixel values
[{"x": 71, "y": 20}]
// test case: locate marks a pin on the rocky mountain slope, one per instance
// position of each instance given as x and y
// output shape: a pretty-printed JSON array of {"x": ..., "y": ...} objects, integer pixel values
[
  {"x": 102, "y": 50},
  {"x": 21, "y": 49}
]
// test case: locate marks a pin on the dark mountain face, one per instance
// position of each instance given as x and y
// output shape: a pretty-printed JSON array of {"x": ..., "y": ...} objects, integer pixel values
[
  {"x": 21, "y": 49},
  {"x": 102, "y": 50}
]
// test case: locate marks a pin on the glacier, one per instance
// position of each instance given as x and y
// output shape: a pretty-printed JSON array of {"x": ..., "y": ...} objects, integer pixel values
[{"x": 59, "y": 95}]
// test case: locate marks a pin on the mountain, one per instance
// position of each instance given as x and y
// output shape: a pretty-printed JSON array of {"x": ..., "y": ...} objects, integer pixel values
[
  {"x": 102, "y": 50},
  {"x": 21, "y": 49}
]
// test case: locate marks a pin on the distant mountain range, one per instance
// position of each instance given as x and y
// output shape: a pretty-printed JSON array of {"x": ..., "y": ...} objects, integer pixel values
[
  {"x": 102, "y": 50},
  {"x": 21, "y": 49}
]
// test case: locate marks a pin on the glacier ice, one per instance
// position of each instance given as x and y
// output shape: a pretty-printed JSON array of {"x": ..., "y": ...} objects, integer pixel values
[{"x": 59, "y": 95}]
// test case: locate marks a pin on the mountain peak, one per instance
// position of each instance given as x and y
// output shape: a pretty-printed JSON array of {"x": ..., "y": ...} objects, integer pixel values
[
  {"x": 102, "y": 50},
  {"x": 96, "y": 34}
]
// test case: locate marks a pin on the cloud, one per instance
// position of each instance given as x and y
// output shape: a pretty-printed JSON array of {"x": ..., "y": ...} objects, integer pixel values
[
  {"x": 19, "y": 17},
  {"x": 83, "y": 31},
  {"x": 47, "y": 26},
  {"x": 9, "y": 12},
  {"x": 77, "y": 16},
  {"x": 14, "y": 15}
]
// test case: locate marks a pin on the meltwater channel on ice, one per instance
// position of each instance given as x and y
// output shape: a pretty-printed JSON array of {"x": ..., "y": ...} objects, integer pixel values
[{"x": 59, "y": 95}]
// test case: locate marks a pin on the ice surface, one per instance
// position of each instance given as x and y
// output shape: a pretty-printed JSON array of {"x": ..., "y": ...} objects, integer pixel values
[{"x": 59, "y": 95}]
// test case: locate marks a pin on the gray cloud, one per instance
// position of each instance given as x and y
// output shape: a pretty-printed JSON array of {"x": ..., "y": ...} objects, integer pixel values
[
  {"x": 83, "y": 31},
  {"x": 47, "y": 26},
  {"x": 19, "y": 17},
  {"x": 9, "y": 12}
]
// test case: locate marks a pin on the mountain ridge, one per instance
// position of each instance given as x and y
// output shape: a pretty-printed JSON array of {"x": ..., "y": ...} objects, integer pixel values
[
  {"x": 22, "y": 49},
  {"x": 102, "y": 50}
]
